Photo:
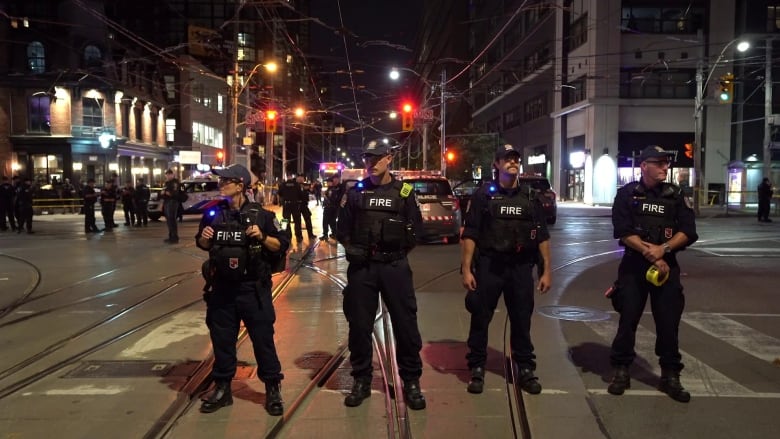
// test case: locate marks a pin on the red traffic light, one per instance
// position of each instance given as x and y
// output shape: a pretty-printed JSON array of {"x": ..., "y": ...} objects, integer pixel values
[
  {"x": 270, "y": 114},
  {"x": 407, "y": 107},
  {"x": 220, "y": 155},
  {"x": 270, "y": 121},
  {"x": 450, "y": 156}
]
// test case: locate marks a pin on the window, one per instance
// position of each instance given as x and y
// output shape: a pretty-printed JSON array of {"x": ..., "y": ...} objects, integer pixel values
[
  {"x": 772, "y": 18},
  {"x": 493, "y": 125},
  {"x": 139, "y": 123},
  {"x": 535, "y": 108},
  {"x": 92, "y": 56},
  {"x": 93, "y": 112},
  {"x": 578, "y": 32},
  {"x": 206, "y": 135},
  {"x": 36, "y": 57},
  {"x": 39, "y": 114},
  {"x": 124, "y": 109},
  {"x": 513, "y": 118},
  {"x": 153, "y": 125},
  {"x": 170, "y": 129},
  {"x": 574, "y": 92},
  {"x": 669, "y": 20},
  {"x": 658, "y": 84}
]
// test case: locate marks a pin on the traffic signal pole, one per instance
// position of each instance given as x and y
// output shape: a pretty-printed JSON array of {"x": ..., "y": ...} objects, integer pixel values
[
  {"x": 697, "y": 167},
  {"x": 767, "y": 152},
  {"x": 443, "y": 123}
]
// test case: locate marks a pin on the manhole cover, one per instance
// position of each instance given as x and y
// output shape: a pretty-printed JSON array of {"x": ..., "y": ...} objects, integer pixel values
[{"x": 575, "y": 313}]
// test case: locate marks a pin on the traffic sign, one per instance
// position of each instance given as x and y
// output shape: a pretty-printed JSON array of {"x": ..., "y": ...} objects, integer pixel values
[{"x": 424, "y": 114}]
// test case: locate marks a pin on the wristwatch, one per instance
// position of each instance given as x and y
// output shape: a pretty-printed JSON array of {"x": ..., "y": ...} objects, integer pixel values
[{"x": 666, "y": 247}]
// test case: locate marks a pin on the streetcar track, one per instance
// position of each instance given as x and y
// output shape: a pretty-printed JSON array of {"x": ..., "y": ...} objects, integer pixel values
[{"x": 30, "y": 288}]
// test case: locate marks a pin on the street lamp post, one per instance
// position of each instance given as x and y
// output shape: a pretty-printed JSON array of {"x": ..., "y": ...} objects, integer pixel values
[{"x": 767, "y": 150}]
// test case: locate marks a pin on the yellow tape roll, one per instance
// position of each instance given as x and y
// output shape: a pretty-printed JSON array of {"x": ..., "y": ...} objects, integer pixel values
[{"x": 654, "y": 277}]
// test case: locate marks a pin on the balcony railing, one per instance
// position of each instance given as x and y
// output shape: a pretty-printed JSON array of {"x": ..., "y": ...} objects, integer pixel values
[{"x": 89, "y": 131}]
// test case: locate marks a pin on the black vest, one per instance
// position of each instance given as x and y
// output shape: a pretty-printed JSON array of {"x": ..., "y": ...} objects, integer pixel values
[
  {"x": 508, "y": 224},
  {"x": 655, "y": 216},
  {"x": 232, "y": 256},
  {"x": 378, "y": 219}
]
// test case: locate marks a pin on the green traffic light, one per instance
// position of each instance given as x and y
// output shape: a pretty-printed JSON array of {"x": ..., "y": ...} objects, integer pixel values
[{"x": 724, "y": 96}]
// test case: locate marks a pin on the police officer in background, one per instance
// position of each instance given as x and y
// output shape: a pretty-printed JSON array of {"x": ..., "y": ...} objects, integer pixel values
[
  {"x": 7, "y": 204},
  {"x": 654, "y": 221},
  {"x": 170, "y": 197},
  {"x": 330, "y": 206},
  {"x": 244, "y": 242},
  {"x": 128, "y": 203},
  {"x": 90, "y": 198},
  {"x": 289, "y": 196},
  {"x": 504, "y": 235},
  {"x": 377, "y": 226},
  {"x": 24, "y": 206},
  {"x": 108, "y": 196},
  {"x": 303, "y": 206},
  {"x": 141, "y": 199}
]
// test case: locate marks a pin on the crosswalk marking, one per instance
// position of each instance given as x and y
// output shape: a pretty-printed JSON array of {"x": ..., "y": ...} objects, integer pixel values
[
  {"x": 736, "y": 334},
  {"x": 698, "y": 378}
]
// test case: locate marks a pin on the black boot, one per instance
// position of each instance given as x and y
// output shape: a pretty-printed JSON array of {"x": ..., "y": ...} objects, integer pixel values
[
  {"x": 273, "y": 398},
  {"x": 670, "y": 384},
  {"x": 361, "y": 390},
  {"x": 529, "y": 382},
  {"x": 413, "y": 395},
  {"x": 220, "y": 397},
  {"x": 477, "y": 383},
  {"x": 621, "y": 381}
]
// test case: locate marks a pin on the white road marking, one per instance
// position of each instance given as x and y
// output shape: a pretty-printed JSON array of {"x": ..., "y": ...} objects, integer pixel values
[
  {"x": 698, "y": 378},
  {"x": 693, "y": 394},
  {"x": 741, "y": 251},
  {"x": 181, "y": 326},
  {"x": 740, "y": 336},
  {"x": 86, "y": 389}
]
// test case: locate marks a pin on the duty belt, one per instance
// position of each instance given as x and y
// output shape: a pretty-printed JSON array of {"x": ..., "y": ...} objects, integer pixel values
[{"x": 387, "y": 256}]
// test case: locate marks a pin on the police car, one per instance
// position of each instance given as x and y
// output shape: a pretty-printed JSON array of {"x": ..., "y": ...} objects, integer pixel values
[
  {"x": 440, "y": 209},
  {"x": 202, "y": 194}
]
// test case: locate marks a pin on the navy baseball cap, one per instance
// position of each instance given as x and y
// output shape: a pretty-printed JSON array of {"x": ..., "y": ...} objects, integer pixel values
[
  {"x": 654, "y": 151},
  {"x": 505, "y": 149},
  {"x": 382, "y": 146},
  {"x": 235, "y": 172}
]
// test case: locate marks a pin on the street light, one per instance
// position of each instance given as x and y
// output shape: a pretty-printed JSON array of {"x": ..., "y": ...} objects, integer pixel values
[{"x": 701, "y": 84}]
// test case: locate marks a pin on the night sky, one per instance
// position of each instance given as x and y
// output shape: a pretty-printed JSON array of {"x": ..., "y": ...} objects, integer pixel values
[{"x": 379, "y": 35}]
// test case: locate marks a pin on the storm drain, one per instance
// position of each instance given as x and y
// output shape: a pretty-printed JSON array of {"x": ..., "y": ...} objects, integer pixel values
[
  {"x": 120, "y": 369},
  {"x": 574, "y": 313}
]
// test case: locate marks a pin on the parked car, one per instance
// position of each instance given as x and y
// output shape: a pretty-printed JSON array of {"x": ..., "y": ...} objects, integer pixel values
[
  {"x": 440, "y": 209},
  {"x": 202, "y": 194}
]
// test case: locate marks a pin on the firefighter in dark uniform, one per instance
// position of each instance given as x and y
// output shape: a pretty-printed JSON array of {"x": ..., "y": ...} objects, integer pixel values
[
  {"x": 24, "y": 206},
  {"x": 504, "y": 235},
  {"x": 289, "y": 196},
  {"x": 654, "y": 221},
  {"x": 246, "y": 244},
  {"x": 377, "y": 226}
]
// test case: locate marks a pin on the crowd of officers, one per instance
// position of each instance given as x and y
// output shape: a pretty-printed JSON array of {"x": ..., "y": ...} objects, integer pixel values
[{"x": 17, "y": 195}]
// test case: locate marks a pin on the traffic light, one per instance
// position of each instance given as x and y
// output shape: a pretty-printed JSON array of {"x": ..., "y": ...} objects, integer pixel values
[
  {"x": 450, "y": 156},
  {"x": 270, "y": 121},
  {"x": 407, "y": 117},
  {"x": 689, "y": 150},
  {"x": 726, "y": 89},
  {"x": 221, "y": 158}
]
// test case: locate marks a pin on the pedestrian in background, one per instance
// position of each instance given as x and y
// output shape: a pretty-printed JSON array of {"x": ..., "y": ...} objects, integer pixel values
[
  {"x": 141, "y": 201},
  {"x": 653, "y": 220},
  {"x": 289, "y": 195},
  {"x": 170, "y": 196},
  {"x": 316, "y": 189},
  {"x": 764, "y": 199},
  {"x": 7, "y": 194},
  {"x": 243, "y": 241},
  {"x": 504, "y": 234},
  {"x": 378, "y": 226},
  {"x": 68, "y": 192},
  {"x": 90, "y": 198}
]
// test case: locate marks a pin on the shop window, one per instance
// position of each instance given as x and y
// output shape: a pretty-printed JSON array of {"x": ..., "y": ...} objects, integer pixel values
[
  {"x": 39, "y": 114},
  {"x": 93, "y": 112},
  {"x": 36, "y": 57}
]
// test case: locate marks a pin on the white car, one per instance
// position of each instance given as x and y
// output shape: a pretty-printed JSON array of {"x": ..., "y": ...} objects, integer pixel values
[{"x": 202, "y": 194}]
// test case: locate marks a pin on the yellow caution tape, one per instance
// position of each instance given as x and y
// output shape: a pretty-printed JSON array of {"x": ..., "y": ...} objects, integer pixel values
[{"x": 654, "y": 277}]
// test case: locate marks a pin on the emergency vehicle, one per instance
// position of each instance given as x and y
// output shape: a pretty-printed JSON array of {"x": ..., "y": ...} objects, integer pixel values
[{"x": 439, "y": 207}]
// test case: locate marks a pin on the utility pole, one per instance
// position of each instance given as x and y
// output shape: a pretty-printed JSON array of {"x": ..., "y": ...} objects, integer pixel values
[
  {"x": 697, "y": 167},
  {"x": 302, "y": 146},
  {"x": 443, "y": 124},
  {"x": 768, "y": 110},
  {"x": 424, "y": 146}
]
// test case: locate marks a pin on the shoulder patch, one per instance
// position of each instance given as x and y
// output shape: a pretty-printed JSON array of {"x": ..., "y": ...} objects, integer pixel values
[
  {"x": 277, "y": 225},
  {"x": 688, "y": 202},
  {"x": 406, "y": 189}
]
